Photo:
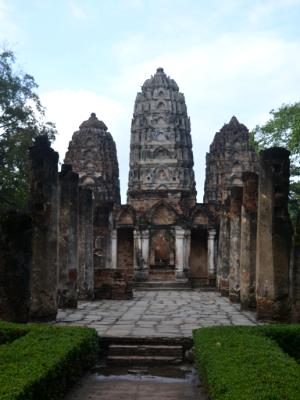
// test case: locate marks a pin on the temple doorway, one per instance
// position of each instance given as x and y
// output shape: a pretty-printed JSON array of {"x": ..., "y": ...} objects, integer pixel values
[
  {"x": 162, "y": 255},
  {"x": 198, "y": 257},
  {"x": 125, "y": 250}
]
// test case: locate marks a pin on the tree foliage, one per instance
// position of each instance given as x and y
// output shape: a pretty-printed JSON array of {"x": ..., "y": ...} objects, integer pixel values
[
  {"x": 283, "y": 129},
  {"x": 22, "y": 119}
]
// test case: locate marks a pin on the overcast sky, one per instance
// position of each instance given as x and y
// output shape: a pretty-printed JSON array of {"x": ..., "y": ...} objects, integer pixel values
[{"x": 231, "y": 57}]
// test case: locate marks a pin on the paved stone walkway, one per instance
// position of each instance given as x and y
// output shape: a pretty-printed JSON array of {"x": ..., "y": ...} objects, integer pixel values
[{"x": 157, "y": 313}]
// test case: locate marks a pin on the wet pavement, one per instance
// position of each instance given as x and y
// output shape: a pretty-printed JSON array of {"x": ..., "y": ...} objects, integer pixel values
[
  {"x": 157, "y": 314},
  {"x": 176, "y": 383}
]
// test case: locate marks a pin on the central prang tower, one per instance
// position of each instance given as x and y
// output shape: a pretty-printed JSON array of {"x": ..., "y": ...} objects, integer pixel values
[{"x": 161, "y": 157}]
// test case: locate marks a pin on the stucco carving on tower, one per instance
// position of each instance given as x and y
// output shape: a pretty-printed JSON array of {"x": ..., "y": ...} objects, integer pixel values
[
  {"x": 92, "y": 154},
  {"x": 230, "y": 154},
  {"x": 161, "y": 157}
]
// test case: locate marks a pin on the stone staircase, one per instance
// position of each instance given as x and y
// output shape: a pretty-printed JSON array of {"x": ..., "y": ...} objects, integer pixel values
[
  {"x": 162, "y": 274},
  {"x": 135, "y": 352},
  {"x": 183, "y": 284}
]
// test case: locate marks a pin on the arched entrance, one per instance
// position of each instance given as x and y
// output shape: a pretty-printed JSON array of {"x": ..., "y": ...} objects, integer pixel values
[{"x": 162, "y": 249}]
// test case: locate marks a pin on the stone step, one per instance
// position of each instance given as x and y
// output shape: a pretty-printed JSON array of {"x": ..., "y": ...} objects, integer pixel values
[
  {"x": 184, "y": 342},
  {"x": 145, "y": 350},
  {"x": 163, "y": 285},
  {"x": 162, "y": 274},
  {"x": 142, "y": 360}
]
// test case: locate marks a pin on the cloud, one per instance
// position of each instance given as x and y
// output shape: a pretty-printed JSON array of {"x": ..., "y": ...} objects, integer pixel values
[
  {"x": 131, "y": 3},
  {"x": 8, "y": 28},
  {"x": 76, "y": 11},
  {"x": 242, "y": 74},
  {"x": 69, "y": 108},
  {"x": 264, "y": 10}
]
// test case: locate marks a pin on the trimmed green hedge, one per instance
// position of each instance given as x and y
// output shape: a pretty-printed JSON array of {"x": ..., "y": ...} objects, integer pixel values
[
  {"x": 43, "y": 362},
  {"x": 243, "y": 363},
  {"x": 286, "y": 336},
  {"x": 10, "y": 332}
]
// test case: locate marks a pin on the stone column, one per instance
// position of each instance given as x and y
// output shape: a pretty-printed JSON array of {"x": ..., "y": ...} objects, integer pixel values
[
  {"x": 43, "y": 204},
  {"x": 224, "y": 252},
  {"x": 68, "y": 238},
  {"x": 236, "y": 195},
  {"x": 180, "y": 253},
  {"x": 273, "y": 236},
  {"x": 86, "y": 245},
  {"x": 211, "y": 268},
  {"x": 141, "y": 247},
  {"x": 187, "y": 251},
  {"x": 114, "y": 248},
  {"x": 248, "y": 240},
  {"x": 145, "y": 248},
  {"x": 295, "y": 281},
  {"x": 15, "y": 260}
]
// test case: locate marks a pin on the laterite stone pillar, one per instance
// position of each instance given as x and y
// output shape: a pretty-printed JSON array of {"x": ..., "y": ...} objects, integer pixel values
[
  {"x": 43, "y": 204},
  {"x": 248, "y": 240},
  {"x": 236, "y": 196},
  {"x": 86, "y": 245},
  {"x": 224, "y": 251},
  {"x": 273, "y": 236},
  {"x": 295, "y": 295},
  {"x": 68, "y": 238}
]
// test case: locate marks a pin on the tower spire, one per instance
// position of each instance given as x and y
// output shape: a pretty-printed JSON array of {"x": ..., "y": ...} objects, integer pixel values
[{"x": 161, "y": 157}]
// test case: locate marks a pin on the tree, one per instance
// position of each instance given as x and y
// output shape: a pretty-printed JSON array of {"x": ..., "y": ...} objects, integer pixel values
[
  {"x": 283, "y": 129},
  {"x": 22, "y": 119}
]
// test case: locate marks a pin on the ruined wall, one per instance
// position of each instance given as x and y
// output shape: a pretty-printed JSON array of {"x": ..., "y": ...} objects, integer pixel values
[{"x": 15, "y": 263}]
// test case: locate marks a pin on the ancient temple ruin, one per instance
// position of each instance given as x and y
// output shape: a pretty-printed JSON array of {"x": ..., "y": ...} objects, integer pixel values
[{"x": 238, "y": 241}]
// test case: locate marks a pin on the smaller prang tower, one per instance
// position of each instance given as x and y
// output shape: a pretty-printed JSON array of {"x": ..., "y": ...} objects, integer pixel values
[
  {"x": 230, "y": 154},
  {"x": 161, "y": 157},
  {"x": 93, "y": 155}
]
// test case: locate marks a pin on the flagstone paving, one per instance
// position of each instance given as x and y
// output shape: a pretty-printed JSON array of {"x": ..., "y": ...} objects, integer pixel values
[{"x": 157, "y": 314}]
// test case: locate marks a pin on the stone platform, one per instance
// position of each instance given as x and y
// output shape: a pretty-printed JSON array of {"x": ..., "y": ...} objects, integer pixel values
[{"x": 156, "y": 314}]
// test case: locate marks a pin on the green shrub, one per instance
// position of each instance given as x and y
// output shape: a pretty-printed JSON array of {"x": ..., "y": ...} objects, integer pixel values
[
  {"x": 44, "y": 362},
  {"x": 286, "y": 336},
  {"x": 9, "y": 332},
  {"x": 242, "y": 363}
]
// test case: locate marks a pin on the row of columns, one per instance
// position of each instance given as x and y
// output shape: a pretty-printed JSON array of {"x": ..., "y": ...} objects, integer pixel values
[
  {"x": 255, "y": 241},
  {"x": 62, "y": 237},
  {"x": 182, "y": 251}
]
